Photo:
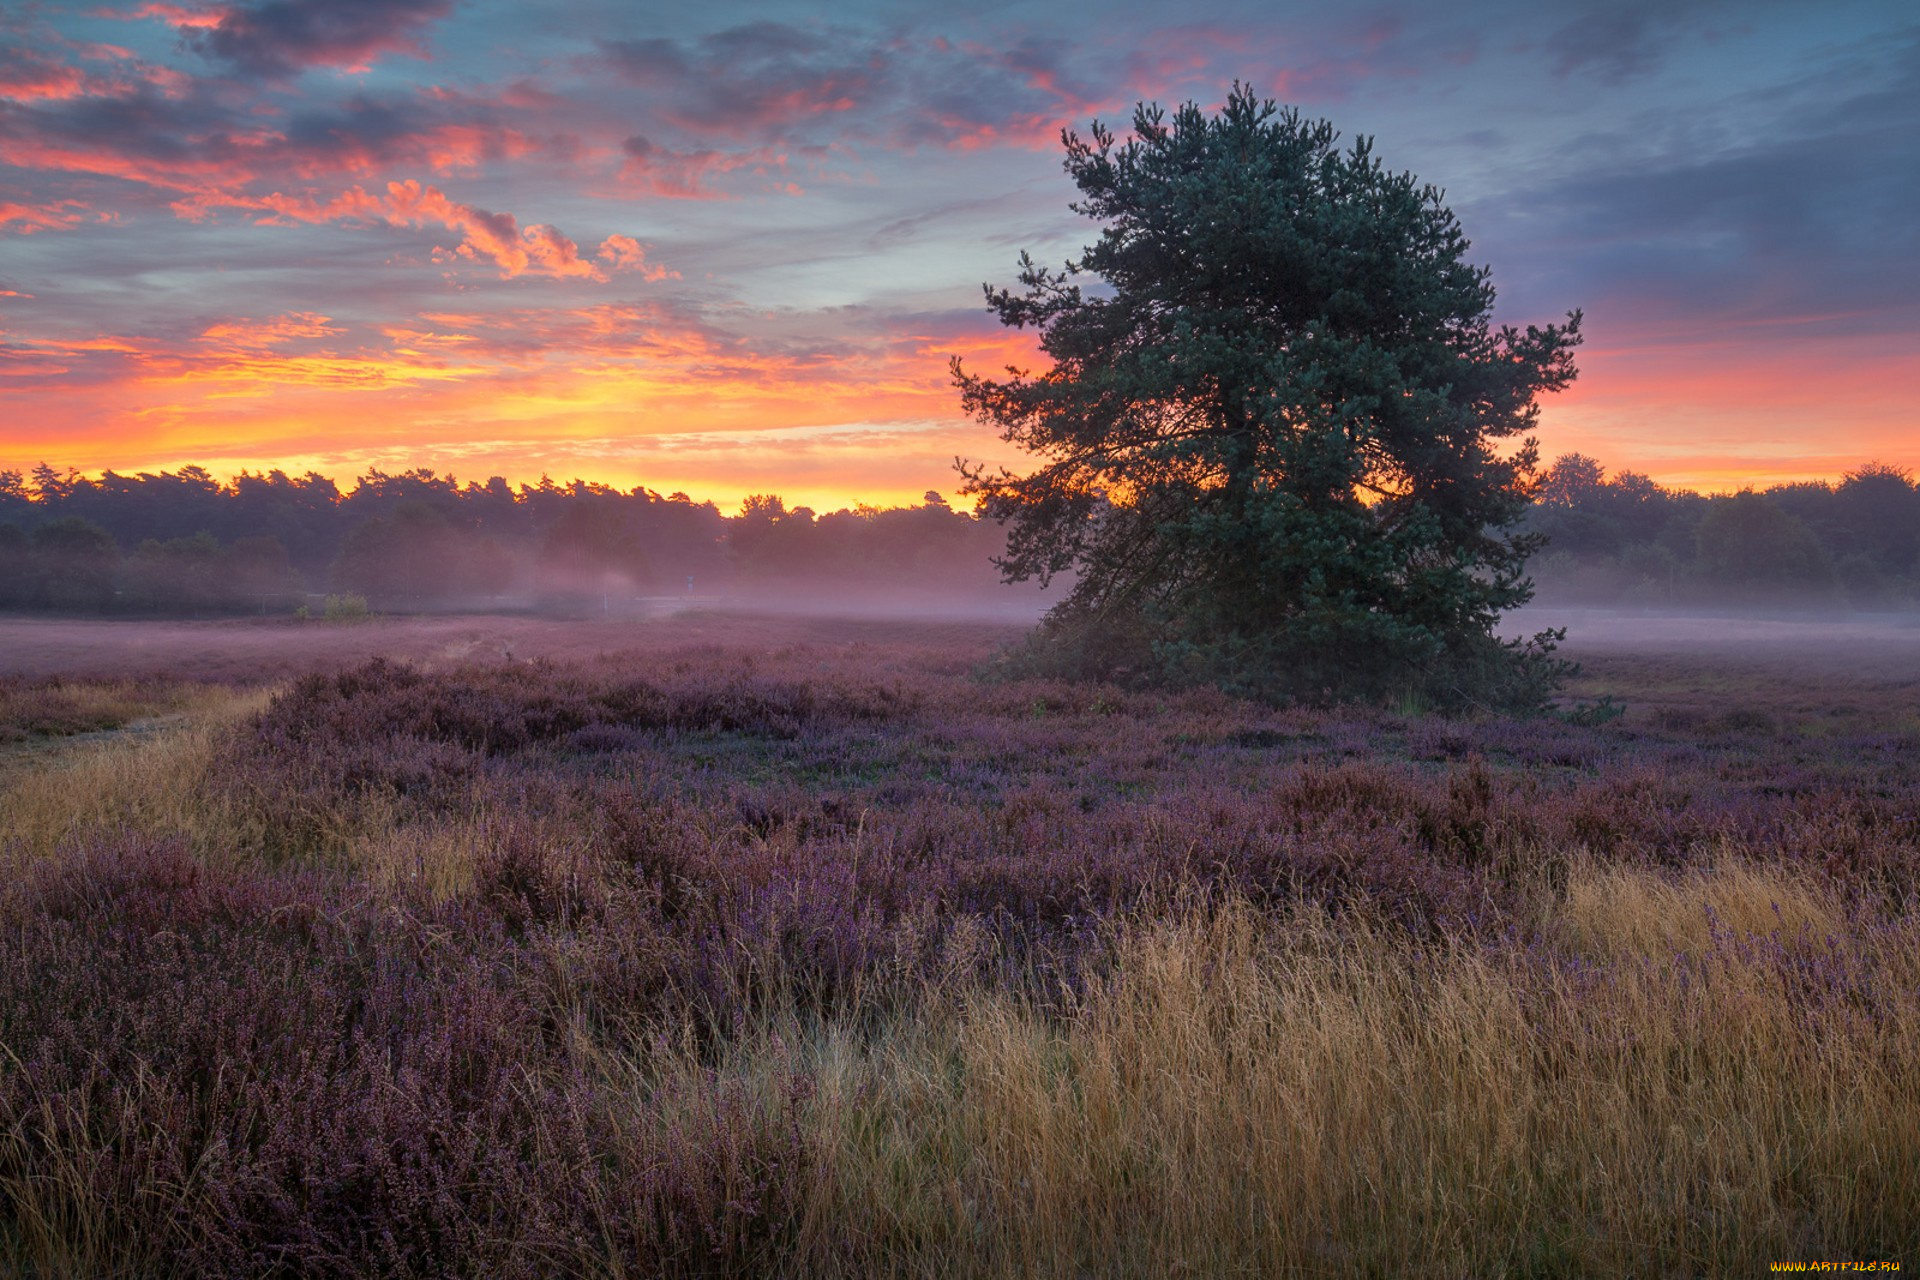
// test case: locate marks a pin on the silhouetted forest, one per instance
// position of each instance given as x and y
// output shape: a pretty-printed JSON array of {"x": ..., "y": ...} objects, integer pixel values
[
  {"x": 1627, "y": 540},
  {"x": 184, "y": 543}
]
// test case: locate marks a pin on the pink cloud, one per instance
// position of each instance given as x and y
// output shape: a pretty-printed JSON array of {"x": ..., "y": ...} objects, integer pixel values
[
  {"x": 453, "y": 147},
  {"x": 58, "y": 216},
  {"x": 649, "y": 169},
  {"x": 120, "y": 127},
  {"x": 624, "y": 253},
  {"x": 536, "y": 249},
  {"x": 245, "y": 335},
  {"x": 27, "y": 77},
  {"x": 177, "y": 15}
]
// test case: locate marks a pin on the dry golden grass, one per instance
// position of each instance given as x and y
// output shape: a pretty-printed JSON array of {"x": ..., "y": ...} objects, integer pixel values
[
  {"x": 152, "y": 778},
  {"x": 149, "y": 778},
  {"x": 435, "y": 861},
  {"x": 39, "y": 709},
  {"x": 1614, "y": 912},
  {"x": 1252, "y": 1097}
]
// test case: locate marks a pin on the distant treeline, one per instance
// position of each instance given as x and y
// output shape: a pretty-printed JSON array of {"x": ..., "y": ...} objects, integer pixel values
[
  {"x": 1627, "y": 540},
  {"x": 184, "y": 543}
]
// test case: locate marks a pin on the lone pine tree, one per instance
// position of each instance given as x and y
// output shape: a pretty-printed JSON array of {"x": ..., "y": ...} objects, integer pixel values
[{"x": 1270, "y": 445}]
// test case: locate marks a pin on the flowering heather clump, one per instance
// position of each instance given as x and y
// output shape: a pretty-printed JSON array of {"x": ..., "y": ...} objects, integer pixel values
[
  {"x": 796, "y": 957},
  {"x": 384, "y": 732},
  {"x": 227, "y": 1075},
  {"x": 53, "y": 707}
]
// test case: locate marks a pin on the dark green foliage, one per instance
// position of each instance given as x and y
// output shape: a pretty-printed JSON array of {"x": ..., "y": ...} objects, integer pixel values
[
  {"x": 178, "y": 574},
  {"x": 1879, "y": 516},
  {"x": 1603, "y": 710},
  {"x": 910, "y": 548},
  {"x": 417, "y": 540},
  {"x": 1579, "y": 510},
  {"x": 16, "y": 566},
  {"x": 588, "y": 552},
  {"x": 1807, "y": 542},
  {"x": 1271, "y": 443},
  {"x": 767, "y": 539},
  {"x": 592, "y": 540},
  {"x": 417, "y": 557},
  {"x": 1747, "y": 541},
  {"x": 198, "y": 576},
  {"x": 75, "y": 559}
]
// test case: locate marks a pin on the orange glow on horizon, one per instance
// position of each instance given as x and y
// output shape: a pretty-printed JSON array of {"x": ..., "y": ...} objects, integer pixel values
[
  {"x": 630, "y": 394},
  {"x": 637, "y": 399},
  {"x": 1719, "y": 417}
]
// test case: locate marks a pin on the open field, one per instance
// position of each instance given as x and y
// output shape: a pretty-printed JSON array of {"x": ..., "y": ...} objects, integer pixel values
[{"x": 721, "y": 945}]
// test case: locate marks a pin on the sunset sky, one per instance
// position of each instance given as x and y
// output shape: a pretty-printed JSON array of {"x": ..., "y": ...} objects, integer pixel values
[{"x": 728, "y": 248}]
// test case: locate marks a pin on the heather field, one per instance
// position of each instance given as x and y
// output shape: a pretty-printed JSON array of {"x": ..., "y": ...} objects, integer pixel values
[{"x": 720, "y": 945}]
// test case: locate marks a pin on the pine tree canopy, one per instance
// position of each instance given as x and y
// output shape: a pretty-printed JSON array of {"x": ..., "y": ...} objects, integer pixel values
[{"x": 1282, "y": 446}]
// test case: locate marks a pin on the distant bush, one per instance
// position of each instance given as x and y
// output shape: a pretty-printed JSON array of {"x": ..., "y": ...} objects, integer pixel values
[
  {"x": 1602, "y": 711},
  {"x": 347, "y": 608}
]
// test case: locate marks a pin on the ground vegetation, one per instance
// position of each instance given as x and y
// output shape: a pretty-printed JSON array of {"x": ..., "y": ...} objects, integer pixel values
[{"x": 760, "y": 947}]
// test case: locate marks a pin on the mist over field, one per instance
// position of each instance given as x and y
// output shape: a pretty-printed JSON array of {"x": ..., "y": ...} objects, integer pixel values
[
  {"x": 1836, "y": 643},
  {"x": 1833, "y": 647}
]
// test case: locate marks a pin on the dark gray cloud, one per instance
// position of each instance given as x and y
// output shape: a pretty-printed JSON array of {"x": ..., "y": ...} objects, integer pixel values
[
  {"x": 774, "y": 82},
  {"x": 763, "y": 79},
  {"x": 203, "y": 139},
  {"x": 1616, "y": 43},
  {"x": 1811, "y": 222},
  {"x": 281, "y": 37}
]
